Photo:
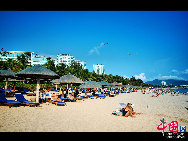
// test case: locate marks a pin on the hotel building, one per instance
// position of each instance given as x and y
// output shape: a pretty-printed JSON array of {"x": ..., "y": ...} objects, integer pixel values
[
  {"x": 99, "y": 69},
  {"x": 33, "y": 60},
  {"x": 13, "y": 55},
  {"x": 67, "y": 59}
]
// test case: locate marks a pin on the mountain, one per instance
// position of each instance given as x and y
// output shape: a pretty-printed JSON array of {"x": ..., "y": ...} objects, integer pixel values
[{"x": 168, "y": 82}]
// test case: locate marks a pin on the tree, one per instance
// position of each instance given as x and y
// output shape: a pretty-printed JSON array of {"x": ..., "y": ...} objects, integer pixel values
[{"x": 50, "y": 65}]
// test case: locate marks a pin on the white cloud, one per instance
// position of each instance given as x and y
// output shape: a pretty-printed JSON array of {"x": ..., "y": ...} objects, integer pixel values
[
  {"x": 164, "y": 77},
  {"x": 174, "y": 71},
  {"x": 185, "y": 71},
  {"x": 95, "y": 49},
  {"x": 124, "y": 76},
  {"x": 141, "y": 76}
]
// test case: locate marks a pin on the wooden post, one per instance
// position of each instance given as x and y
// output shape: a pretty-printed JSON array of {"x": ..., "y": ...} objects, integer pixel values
[
  {"x": 6, "y": 83},
  {"x": 37, "y": 90}
]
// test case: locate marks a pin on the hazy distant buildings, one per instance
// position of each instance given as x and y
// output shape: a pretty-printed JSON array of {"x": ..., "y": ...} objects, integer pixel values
[{"x": 99, "y": 69}]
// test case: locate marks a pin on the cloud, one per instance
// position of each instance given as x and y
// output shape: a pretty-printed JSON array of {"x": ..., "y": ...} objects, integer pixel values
[
  {"x": 95, "y": 49},
  {"x": 165, "y": 77},
  {"x": 141, "y": 76},
  {"x": 174, "y": 71},
  {"x": 185, "y": 71},
  {"x": 124, "y": 76}
]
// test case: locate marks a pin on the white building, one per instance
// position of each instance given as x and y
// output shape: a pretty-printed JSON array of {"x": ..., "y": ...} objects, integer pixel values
[
  {"x": 82, "y": 63},
  {"x": 163, "y": 83},
  {"x": 65, "y": 59},
  {"x": 14, "y": 54},
  {"x": 32, "y": 59},
  {"x": 40, "y": 60},
  {"x": 99, "y": 69}
]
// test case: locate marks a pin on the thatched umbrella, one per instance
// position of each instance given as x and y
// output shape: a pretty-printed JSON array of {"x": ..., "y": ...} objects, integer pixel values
[
  {"x": 37, "y": 72},
  {"x": 91, "y": 84},
  {"x": 68, "y": 79},
  {"x": 105, "y": 83},
  {"x": 6, "y": 74}
]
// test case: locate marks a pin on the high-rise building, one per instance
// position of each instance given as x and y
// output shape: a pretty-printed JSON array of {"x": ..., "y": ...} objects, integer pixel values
[{"x": 99, "y": 69}]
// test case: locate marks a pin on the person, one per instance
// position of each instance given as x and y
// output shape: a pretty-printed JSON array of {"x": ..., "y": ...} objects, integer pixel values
[
  {"x": 128, "y": 110},
  {"x": 76, "y": 93},
  {"x": 93, "y": 93},
  {"x": 55, "y": 98},
  {"x": 66, "y": 94}
]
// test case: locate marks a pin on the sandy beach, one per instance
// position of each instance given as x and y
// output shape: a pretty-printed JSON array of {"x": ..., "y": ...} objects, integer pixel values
[{"x": 95, "y": 115}]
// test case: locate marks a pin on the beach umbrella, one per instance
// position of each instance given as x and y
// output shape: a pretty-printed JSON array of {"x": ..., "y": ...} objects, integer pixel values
[
  {"x": 116, "y": 84},
  {"x": 69, "y": 79},
  {"x": 105, "y": 83},
  {"x": 37, "y": 72},
  {"x": 91, "y": 84},
  {"x": 6, "y": 74}
]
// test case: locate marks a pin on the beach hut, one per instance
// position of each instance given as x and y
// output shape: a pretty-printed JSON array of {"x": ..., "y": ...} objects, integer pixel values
[
  {"x": 37, "y": 72},
  {"x": 7, "y": 74},
  {"x": 91, "y": 84}
]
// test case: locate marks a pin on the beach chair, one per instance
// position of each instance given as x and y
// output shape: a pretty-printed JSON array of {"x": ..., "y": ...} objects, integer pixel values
[
  {"x": 22, "y": 99},
  {"x": 58, "y": 103},
  {"x": 10, "y": 103}
]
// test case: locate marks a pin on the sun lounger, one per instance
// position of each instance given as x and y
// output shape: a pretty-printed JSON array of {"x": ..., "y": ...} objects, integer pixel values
[
  {"x": 22, "y": 99},
  {"x": 78, "y": 98},
  {"x": 10, "y": 103},
  {"x": 58, "y": 103},
  {"x": 90, "y": 96},
  {"x": 101, "y": 97}
]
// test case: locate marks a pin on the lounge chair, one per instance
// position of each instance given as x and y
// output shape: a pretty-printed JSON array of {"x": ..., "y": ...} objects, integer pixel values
[
  {"x": 78, "y": 98},
  {"x": 10, "y": 103},
  {"x": 58, "y": 103},
  {"x": 22, "y": 99}
]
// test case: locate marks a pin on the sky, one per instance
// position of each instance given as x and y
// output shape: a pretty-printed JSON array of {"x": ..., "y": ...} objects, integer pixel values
[{"x": 145, "y": 44}]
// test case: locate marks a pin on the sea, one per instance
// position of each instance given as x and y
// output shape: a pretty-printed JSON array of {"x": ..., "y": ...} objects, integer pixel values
[{"x": 181, "y": 90}]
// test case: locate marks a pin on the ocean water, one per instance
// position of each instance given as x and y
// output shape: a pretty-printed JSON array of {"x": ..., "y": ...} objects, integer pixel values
[{"x": 181, "y": 90}]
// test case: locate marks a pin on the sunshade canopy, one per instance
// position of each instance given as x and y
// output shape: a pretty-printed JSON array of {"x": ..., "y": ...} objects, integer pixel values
[
  {"x": 68, "y": 79},
  {"x": 7, "y": 73},
  {"x": 105, "y": 83},
  {"x": 38, "y": 71},
  {"x": 91, "y": 84}
]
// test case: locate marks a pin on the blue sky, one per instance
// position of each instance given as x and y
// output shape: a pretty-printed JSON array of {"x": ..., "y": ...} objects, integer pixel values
[{"x": 160, "y": 39}]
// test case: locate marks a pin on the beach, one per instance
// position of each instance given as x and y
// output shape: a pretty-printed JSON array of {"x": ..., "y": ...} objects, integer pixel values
[{"x": 95, "y": 115}]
